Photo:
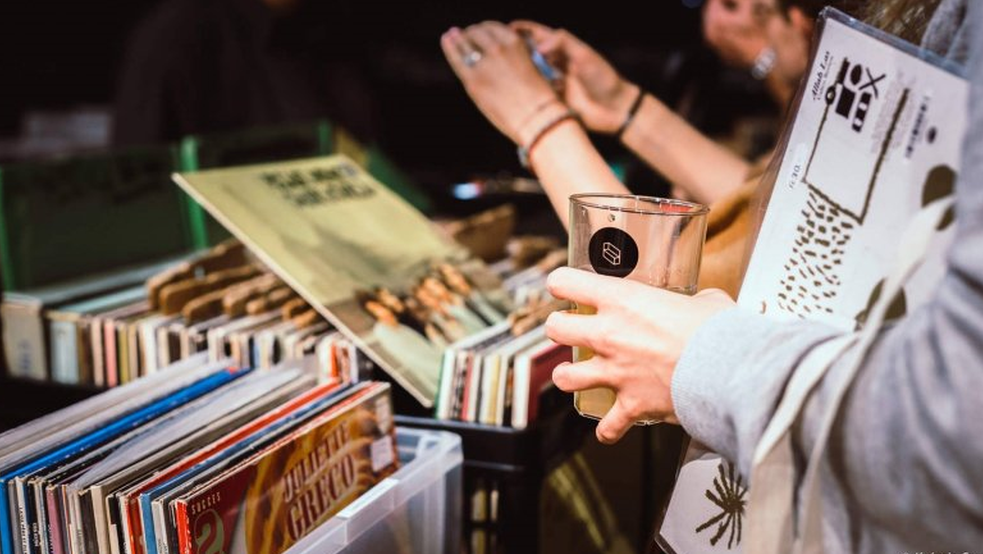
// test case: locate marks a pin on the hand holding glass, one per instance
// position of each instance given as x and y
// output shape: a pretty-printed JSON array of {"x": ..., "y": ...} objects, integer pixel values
[{"x": 655, "y": 241}]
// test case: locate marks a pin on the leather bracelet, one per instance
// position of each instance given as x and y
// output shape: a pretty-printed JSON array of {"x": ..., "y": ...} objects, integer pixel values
[
  {"x": 631, "y": 113},
  {"x": 524, "y": 151}
]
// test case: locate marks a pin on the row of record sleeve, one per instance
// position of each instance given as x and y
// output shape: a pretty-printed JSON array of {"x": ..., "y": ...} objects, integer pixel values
[
  {"x": 222, "y": 302},
  {"x": 110, "y": 330},
  {"x": 337, "y": 265},
  {"x": 496, "y": 377},
  {"x": 197, "y": 457}
]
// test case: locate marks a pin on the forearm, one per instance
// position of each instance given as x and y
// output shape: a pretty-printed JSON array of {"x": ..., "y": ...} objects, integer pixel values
[
  {"x": 683, "y": 155},
  {"x": 566, "y": 163}
]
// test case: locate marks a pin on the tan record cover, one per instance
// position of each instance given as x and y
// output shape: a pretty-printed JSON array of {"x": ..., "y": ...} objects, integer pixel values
[{"x": 364, "y": 258}]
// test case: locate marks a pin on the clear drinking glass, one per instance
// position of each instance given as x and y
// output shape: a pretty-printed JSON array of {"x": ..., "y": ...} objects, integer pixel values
[{"x": 655, "y": 241}]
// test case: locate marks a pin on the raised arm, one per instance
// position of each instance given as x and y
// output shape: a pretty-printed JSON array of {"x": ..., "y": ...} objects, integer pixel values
[
  {"x": 704, "y": 169},
  {"x": 506, "y": 87}
]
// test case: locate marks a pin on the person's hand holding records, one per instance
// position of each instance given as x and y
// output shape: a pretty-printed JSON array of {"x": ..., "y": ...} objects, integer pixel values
[{"x": 637, "y": 335}]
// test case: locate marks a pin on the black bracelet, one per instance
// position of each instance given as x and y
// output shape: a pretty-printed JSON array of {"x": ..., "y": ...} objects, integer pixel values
[{"x": 631, "y": 113}]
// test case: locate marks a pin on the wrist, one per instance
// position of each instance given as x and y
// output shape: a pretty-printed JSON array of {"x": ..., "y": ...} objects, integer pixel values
[
  {"x": 540, "y": 109},
  {"x": 616, "y": 106},
  {"x": 630, "y": 114},
  {"x": 623, "y": 99},
  {"x": 649, "y": 124},
  {"x": 542, "y": 132},
  {"x": 534, "y": 124}
]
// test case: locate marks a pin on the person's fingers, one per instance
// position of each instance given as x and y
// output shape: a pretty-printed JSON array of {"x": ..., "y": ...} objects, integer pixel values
[
  {"x": 539, "y": 34},
  {"x": 584, "y": 375},
  {"x": 553, "y": 47},
  {"x": 452, "y": 43},
  {"x": 614, "y": 425},
  {"x": 584, "y": 287},
  {"x": 549, "y": 42},
  {"x": 481, "y": 36},
  {"x": 572, "y": 329},
  {"x": 503, "y": 33}
]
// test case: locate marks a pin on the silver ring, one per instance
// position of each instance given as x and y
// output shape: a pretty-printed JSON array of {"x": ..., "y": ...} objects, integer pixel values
[{"x": 472, "y": 58}]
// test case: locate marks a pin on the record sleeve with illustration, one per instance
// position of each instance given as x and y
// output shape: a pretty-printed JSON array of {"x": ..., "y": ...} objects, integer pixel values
[{"x": 365, "y": 259}]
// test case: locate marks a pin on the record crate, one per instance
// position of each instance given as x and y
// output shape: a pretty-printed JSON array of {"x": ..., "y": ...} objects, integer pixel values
[
  {"x": 504, "y": 472},
  {"x": 417, "y": 510}
]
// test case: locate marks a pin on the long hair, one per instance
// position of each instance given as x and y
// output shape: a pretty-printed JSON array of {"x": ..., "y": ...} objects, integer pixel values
[{"x": 907, "y": 19}]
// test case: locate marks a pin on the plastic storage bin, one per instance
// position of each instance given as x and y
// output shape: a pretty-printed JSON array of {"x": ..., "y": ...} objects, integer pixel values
[{"x": 415, "y": 511}]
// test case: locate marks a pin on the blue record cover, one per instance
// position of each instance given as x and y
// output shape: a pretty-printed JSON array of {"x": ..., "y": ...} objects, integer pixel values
[{"x": 9, "y": 479}]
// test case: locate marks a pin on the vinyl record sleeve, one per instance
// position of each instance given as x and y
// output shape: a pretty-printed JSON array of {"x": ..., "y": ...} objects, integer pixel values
[
  {"x": 227, "y": 457},
  {"x": 268, "y": 503},
  {"x": 129, "y": 499},
  {"x": 329, "y": 229}
]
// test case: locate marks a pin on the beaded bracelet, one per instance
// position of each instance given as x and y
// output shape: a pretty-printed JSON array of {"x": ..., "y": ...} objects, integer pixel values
[{"x": 524, "y": 151}]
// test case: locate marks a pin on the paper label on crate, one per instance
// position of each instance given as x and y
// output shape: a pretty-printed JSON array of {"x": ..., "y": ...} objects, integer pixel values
[
  {"x": 384, "y": 414},
  {"x": 382, "y": 453}
]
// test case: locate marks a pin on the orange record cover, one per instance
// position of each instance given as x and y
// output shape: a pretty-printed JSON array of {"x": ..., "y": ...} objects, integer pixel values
[
  {"x": 132, "y": 512},
  {"x": 268, "y": 503}
]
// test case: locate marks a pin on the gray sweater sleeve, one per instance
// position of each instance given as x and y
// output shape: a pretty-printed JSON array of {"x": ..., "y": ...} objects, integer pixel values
[{"x": 904, "y": 469}]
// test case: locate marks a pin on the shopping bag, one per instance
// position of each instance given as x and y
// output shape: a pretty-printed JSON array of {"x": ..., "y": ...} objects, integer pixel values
[{"x": 876, "y": 137}]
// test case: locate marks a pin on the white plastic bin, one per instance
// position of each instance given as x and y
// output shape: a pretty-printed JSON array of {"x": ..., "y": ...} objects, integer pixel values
[{"x": 415, "y": 511}]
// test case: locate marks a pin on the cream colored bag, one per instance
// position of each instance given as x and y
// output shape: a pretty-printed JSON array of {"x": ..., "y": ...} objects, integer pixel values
[{"x": 771, "y": 510}]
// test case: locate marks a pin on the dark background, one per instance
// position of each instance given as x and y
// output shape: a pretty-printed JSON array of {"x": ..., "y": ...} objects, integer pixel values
[{"x": 63, "y": 55}]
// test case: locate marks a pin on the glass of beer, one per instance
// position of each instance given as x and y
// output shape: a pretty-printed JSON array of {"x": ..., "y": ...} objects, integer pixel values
[{"x": 655, "y": 241}]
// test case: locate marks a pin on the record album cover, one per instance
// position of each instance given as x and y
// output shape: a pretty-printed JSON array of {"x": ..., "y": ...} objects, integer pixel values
[{"x": 360, "y": 255}]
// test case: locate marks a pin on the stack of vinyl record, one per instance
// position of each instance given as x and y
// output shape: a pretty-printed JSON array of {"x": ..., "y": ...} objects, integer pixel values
[
  {"x": 495, "y": 377},
  {"x": 197, "y": 457},
  {"x": 115, "y": 328}
]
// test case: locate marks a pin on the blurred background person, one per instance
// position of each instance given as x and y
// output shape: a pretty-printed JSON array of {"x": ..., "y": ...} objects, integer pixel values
[
  {"x": 737, "y": 30},
  {"x": 206, "y": 66}
]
